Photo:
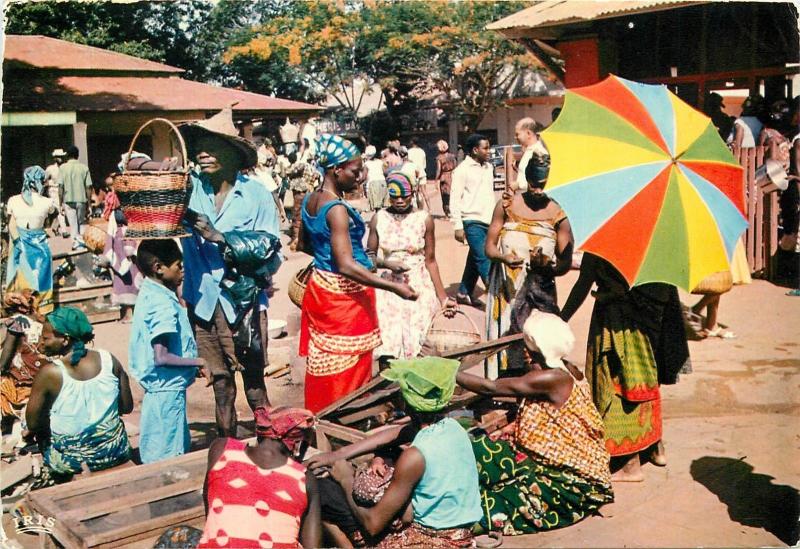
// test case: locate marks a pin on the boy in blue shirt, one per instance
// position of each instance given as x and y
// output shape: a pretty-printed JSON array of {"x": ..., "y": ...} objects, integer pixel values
[{"x": 162, "y": 352}]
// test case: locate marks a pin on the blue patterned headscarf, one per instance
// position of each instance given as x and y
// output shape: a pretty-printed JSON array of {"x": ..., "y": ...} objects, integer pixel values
[
  {"x": 32, "y": 180},
  {"x": 333, "y": 150},
  {"x": 398, "y": 185}
]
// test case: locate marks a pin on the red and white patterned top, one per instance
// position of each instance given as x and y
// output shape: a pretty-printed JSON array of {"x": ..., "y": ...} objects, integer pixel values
[{"x": 253, "y": 507}]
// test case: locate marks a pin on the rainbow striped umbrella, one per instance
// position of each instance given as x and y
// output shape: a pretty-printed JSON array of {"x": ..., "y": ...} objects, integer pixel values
[{"x": 646, "y": 182}]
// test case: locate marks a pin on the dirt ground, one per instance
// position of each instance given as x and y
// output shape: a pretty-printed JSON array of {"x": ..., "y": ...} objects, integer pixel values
[{"x": 731, "y": 428}]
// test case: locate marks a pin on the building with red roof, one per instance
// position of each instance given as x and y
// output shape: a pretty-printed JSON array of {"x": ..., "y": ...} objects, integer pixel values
[{"x": 58, "y": 93}]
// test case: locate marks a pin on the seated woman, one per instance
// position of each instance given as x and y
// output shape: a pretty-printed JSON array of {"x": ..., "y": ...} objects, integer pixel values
[
  {"x": 554, "y": 470},
  {"x": 258, "y": 495},
  {"x": 20, "y": 359},
  {"x": 79, "y": 398},
  {"x": 530, "y": 243},
  {"x": 437, "y": 474}
]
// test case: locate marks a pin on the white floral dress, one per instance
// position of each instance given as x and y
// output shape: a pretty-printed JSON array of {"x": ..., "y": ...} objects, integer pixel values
[{"x": 404, "y": 324}]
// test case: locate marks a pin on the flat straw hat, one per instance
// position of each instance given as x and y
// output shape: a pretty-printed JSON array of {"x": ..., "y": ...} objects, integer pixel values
[{"x": 221, "y": 125}]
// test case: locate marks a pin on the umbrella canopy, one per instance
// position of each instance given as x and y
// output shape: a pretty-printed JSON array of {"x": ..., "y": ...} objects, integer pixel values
[{"x": 646, "y": 181}]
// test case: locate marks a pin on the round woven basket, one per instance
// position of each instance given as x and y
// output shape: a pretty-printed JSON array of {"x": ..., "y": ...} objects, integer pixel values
[
  {"x": 95, "y": 238},
  {"x": 441, "y": 339},
  {"x": 297, "y": 286},
  {"x": 154, "y": 202},
  {"x": 717, "y": 283}
]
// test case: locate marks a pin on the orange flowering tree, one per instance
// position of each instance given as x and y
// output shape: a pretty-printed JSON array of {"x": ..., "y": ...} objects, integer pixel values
[
  {"x": 315, "y": 41},
  {"x": 433, "y": 49}
]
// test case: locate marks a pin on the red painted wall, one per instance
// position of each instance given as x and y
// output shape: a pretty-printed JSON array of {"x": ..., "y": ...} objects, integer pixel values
[{"x": 581, "y": 62}]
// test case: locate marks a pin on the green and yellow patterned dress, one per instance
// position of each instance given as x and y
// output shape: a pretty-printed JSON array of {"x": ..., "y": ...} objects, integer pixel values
[{"x": 553, "y": 473}]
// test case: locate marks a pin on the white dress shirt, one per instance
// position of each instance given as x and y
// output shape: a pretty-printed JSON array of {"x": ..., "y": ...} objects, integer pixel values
[{"x": 472, "y": 193}]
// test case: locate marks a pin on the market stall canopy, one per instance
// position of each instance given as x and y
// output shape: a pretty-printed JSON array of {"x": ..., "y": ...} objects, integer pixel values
[{"x": 556, "y": 13}]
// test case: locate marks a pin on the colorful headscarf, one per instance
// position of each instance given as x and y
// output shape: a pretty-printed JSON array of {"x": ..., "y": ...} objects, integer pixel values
[
  {"x": 283, "y": 423},
  {"x": 398, "y": 184},
  {"x": 333, "y": 150},
  {"x": 427, "y": 384},
  {"x": 32, "y": 180},
  {"x": 74, "y": 323}
]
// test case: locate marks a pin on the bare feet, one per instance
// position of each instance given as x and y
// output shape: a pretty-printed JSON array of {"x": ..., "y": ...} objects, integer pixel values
[
  {"x": 658, "y": 456},
  {"x": 630, "y": 472}
]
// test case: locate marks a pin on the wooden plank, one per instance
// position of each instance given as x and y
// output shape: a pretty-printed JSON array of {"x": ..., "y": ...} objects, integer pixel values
[
  {"x": 67, "y": 532},
  {"x": 470, "y": 356},
  {"x": 364, "y": 414},
  {"x": 109, "y": 315},
  {"x": 372, "y": 384},
  {"x": 16, "y": 471},
  {"x": 74, "y": 293},
  {"x": 103, "y": 507},
  {"x": 103, "y": 480},
  {"x": 149, "y": 542},
  {"x": 348, "y": 434},
  {"x": 745, "y": 160},
  {"x": 495, "y": 345},
  {"x": 134, "y": 532}
]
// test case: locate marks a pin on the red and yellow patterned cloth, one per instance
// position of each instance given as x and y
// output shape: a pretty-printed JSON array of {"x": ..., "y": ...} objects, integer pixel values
[
  {"x": 253, "y": 507},
  {"x": 570, "y": 436},
  {"x": 339, "y": 329}
]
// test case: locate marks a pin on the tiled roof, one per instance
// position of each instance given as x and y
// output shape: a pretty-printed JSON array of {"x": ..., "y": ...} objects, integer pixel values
[
  {"x": 50, "y": 53},
  {"x": 130, "y": 93}
]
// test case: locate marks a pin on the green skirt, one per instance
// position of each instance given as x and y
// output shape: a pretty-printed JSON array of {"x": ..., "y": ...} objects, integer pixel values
[{"x": 521, "y": 496}]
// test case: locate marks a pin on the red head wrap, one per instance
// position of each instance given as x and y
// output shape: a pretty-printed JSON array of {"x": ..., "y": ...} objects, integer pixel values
[{"x": 283, "y": 423}]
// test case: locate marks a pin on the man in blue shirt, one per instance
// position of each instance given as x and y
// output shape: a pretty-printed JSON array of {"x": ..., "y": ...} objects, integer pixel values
[{"x": 230, "y": 330}]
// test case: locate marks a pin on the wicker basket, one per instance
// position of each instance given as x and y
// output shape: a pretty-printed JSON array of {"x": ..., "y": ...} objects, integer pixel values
[
  {"x": 297, "y": 286},
  {"x": 715, "y": 284},
  {"x": 440, "y": 340},
  {"x": 154, "y": 202},
  {"x": 95, "y": 238}
]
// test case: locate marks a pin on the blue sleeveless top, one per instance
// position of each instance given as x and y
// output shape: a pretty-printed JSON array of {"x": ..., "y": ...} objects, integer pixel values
[
  {"x": 318, "y": 234},
  {"x": 447, "y": 495}
]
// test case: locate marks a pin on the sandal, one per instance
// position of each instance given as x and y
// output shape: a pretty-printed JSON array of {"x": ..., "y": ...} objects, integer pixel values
[{"x": 720, "y": 333}]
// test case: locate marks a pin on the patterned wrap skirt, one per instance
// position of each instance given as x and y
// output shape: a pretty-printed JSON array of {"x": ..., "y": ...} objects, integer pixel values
[
  {"x": 623, "y": 375},
  {"x": 339, "y": 330},
  {"x": 416, "y": 535},
  {"x": 522, "y": 496},
  {"x": 102, "y": 446}
]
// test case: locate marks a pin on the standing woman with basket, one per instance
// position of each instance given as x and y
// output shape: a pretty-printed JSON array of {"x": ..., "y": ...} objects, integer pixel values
[
  {"x": 29, "y": 259},
  {"x": 339, "y": 325},
  {"x": 405, "y": 236}
]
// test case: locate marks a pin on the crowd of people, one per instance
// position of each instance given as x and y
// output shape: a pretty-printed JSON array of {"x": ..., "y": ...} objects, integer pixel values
[{"x": 198, "y": 307}]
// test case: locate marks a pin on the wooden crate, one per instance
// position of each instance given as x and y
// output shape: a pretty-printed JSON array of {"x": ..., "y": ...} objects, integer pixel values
[
  {"x": 127, "y": 507},
  {"x": 357, "y": 415}
]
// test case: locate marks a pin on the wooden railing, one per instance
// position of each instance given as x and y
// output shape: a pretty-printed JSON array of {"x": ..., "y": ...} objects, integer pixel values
[{"x": 761, "y": 237}]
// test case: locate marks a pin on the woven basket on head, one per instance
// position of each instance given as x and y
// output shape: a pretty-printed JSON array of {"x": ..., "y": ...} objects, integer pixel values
[
  {"x": 440, "y": 339},
  {"x": 95, "y": 238},
  {"x": 714, "y": 284},
  {"x": 154, "y": 202},
  {"x": 297, "y": 286}
]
